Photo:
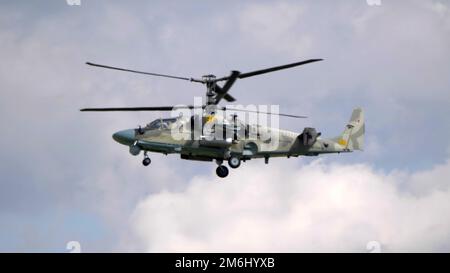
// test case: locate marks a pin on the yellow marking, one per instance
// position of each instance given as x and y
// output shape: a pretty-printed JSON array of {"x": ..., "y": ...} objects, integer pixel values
[
  {"x": 342, "y": 142},
  {"x": 210, "y": 118}
]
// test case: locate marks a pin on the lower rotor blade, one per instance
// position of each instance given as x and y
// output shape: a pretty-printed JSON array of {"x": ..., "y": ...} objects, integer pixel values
[
  {"x": 259, "y": 112},
  {"x": 229, "y": 98},
  {"x": 156, "y": 108}
]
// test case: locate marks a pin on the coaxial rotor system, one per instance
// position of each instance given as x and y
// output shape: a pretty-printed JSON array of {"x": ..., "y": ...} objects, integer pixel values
[{"x": 215, "y": 92}]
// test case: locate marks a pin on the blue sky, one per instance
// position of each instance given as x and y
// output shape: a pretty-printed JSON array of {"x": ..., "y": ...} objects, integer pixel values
[{"x": 64, "y": 179}]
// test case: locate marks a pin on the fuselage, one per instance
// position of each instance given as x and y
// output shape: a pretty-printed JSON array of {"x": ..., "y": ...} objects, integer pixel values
[{"x": 164, "y": 136}]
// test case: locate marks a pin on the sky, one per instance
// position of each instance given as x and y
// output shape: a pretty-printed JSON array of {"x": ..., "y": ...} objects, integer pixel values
[{"x": 64, "y": 179}]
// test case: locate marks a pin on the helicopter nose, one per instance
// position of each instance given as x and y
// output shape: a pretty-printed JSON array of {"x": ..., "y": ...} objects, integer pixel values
[{"x": 125, "y": 137}]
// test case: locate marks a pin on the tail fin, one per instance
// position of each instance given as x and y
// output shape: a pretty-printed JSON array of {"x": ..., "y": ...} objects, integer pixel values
[{"x": 353, "y": 136}]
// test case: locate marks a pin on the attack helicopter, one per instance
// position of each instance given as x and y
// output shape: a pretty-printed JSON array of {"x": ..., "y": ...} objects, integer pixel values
[{"x": 209, "y": 134}]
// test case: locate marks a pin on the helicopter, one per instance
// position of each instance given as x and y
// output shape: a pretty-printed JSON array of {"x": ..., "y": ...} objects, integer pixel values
[{"x": 209, "y": 134}]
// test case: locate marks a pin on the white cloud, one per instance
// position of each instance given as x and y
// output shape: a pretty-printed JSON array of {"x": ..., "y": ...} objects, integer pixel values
[
  {"x": 275, "y": 27},
  {"x": 317, "y": 207}
]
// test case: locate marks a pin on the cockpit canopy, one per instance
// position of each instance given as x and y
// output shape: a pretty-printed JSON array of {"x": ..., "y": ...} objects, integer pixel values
[
  {"x": 160, "y": 123},
  {"x": 166, "y": 123}
]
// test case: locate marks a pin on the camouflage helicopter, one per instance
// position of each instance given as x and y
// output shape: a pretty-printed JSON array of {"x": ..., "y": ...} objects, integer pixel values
[{"x": 227, "y": 138}]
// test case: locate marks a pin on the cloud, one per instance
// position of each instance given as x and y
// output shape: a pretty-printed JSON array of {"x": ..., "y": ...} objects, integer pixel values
[
  {"x": 274, "y": 27},
  {"x": 314, "y": 207}
]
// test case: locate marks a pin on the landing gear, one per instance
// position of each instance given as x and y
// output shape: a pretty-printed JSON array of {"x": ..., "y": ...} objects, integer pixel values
[
  {"x": 146, "y": 160},
  {"x": 222, "y": 171},
  {"x": 234, "y": 162}
]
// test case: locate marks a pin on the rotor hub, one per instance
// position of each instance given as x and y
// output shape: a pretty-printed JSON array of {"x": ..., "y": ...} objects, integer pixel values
[
  {"x": 209, "y": 78},
  {"x": 210, "y": 81}
]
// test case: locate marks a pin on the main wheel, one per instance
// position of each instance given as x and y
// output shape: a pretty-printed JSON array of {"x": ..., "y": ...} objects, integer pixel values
[
  {"x": 222, "y": 171},
  {"x": 146, "y": 161},
  {"x": 234, "y": 162}
]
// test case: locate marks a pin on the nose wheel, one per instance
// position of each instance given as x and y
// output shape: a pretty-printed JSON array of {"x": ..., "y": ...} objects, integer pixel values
[
  {"x": 146, "y": 160},
  {"x": 222, "y": 171}
]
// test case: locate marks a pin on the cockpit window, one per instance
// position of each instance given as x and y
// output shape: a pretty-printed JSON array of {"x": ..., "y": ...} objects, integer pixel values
[
  {"x": 156, "y": 124},
  {"x": 160, "y": 123},
  {"x": 169, "y": 121}
]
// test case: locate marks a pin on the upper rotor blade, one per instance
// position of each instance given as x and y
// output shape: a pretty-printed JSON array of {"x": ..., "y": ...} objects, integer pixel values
[
  {"x": 259, "y": 112},
  {"x": 156, "y": 108},
  {"x": 222, "y": 92},
  {"x": 145, "y": 73},
  {"x": 271, "y": 69}
]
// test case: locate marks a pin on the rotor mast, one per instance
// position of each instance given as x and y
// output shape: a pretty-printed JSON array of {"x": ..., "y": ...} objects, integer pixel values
[{"x": 210, "y": 81}]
